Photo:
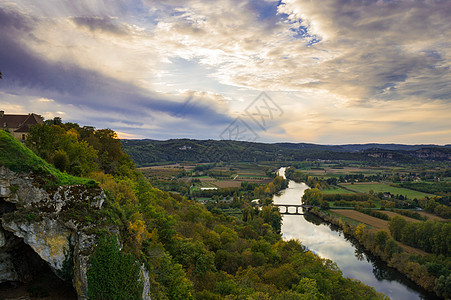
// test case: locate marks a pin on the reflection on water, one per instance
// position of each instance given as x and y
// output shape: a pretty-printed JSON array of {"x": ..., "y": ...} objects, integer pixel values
[{"x": 328, "y": 241}]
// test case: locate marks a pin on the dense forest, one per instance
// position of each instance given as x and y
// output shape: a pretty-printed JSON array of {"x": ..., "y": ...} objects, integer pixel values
[
  {"x": 149, "y": 152},
  {"x": 190, "y": 252}
]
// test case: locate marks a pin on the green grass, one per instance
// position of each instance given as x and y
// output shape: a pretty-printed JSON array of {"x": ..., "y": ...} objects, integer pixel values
[
  {"x": 382, "y": 187},
  {"x": 336, "y": 190},
  {"x": 18, "y": 158}
]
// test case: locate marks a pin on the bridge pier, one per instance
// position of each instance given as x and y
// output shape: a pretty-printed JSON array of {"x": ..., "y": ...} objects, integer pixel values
[{"x": 296, "y": 206}]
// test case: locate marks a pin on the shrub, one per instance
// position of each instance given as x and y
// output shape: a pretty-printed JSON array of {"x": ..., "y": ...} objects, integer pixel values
[{"x": 113, "y": 274}]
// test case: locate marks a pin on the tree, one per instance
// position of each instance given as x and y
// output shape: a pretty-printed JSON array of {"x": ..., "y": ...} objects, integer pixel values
[
  {"x": 272, "y": 216},
  {"x": 61, "y": 160},
  {"x": 396, "y": 226},
  {"x": 312, "y": 197},
  {"x": 443, "y": 286},
  {"x": 381, "y": 239}
]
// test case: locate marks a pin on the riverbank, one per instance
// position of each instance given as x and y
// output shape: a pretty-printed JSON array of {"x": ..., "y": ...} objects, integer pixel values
[{"x": 381, "y": 245}]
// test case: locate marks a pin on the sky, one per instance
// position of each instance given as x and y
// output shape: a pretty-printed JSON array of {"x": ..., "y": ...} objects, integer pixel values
[{"x": 327, "y": 72}]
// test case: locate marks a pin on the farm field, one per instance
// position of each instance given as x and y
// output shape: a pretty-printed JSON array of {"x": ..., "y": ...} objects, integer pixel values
[
  {"x": 363, "y": 218},
  {"x": 393, "y": 214},
  {"x": 382, "y": 187},
  {"x": 432, "y": 217},
  {"x": 160, "y": 173},
  {"x": 327, "y": 171},
  {"x": 217, "y": 176},
  {"x": 227, "y": 183},
  {"x": 336, "y": 190}
]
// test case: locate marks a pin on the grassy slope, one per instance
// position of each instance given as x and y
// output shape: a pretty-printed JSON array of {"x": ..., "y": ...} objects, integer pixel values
[{"x": 17, "y": 157}]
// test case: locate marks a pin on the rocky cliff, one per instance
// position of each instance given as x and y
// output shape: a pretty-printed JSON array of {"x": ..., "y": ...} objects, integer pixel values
[
  {"x": 50, "y": 224},
  {"x": 43, "y": 221}
]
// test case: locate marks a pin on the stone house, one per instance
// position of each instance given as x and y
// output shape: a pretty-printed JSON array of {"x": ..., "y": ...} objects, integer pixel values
[{"x": 19, "y": 125}]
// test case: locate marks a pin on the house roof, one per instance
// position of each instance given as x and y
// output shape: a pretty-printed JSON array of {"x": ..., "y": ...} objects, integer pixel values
[{"x": 21, "y": 122}]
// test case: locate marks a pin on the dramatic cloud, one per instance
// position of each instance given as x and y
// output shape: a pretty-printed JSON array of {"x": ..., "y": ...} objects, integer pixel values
[{"x": 341, "y": 71}]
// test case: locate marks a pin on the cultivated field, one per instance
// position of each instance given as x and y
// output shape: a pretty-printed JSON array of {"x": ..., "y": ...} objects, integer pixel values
[
  {"x": 363, "y": 218},
  {"x": 336, "y": 190},
  {"x": 227, "y": 183},
  {"x": 382, "y": 187},
  {"x": 393, "y": 214},
  {"x": 334, "y": 172}
]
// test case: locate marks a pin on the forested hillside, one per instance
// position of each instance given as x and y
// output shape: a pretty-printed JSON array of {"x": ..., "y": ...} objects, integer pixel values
[
  {"x": 149, "y": 152},
  {"x": 190, "y": 252}
]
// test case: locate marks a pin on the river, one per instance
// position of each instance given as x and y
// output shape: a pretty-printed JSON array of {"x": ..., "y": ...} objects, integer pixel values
[{"x": 329, "y": 242}]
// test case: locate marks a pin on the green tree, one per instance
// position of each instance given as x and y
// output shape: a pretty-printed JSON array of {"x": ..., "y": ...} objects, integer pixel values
[
  {"x": 312, "y": 197},
  {"x": 61, "y": 160},
  {"x": 381, "y": 239},
  {"x": 443, "y": 286},
  {"x": 308, "y": 288},
  {"x": 396, "y": 226},
  {"x": 272, "y": 216}
]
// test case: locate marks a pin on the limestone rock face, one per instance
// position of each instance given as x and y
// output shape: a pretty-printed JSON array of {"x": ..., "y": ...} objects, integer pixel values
[
  {"x": 48, "y": 238},
  {"x": 37, "y": 223},
  {"x": 146, "y": 283},
  {"x": 84, "y": 245}
]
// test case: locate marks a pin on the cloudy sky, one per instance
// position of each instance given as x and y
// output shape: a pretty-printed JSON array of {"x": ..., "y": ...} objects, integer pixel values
[{"x": 332, "y": 71}]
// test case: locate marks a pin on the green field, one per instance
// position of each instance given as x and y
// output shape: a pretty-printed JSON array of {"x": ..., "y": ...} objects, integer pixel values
[
  {"x": 336, "y": 190},
  {"x": 382, "y": 187}
]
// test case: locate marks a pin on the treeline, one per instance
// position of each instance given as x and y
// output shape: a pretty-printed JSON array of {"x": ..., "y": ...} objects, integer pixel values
[
  {"x": 373, "y": 213},
  {"x": 432, "y": 237},
  {"x": 268, "y": 190},
  {"x": 148, "y": 152},
  {"x": 315, "y": 197},
  {"x": 298, "y": 176},
  {"x": 351, "y": 200},
  {"x": 410, "y": 214},
  {"x": 432, "y": 272},
  {"x": 204, "y": 167},
  {"x": 439, "y": 188},
  {"x": 436, "y": 205},
  {"x": 429, "y": 187}
]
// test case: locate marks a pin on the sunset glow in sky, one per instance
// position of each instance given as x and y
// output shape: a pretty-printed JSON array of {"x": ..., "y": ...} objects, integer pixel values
[{"x": 335, "y": 71}]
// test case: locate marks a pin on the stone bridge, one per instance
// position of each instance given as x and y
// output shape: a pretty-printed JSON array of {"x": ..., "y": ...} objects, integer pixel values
[{"x": 297, "y": 206}]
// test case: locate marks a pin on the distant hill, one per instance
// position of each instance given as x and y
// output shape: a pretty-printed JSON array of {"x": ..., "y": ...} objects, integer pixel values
[
  {"x": 302, "y": 146},
  {"x": 360, "y": 147},
  {"x": 150, "y": 152}
]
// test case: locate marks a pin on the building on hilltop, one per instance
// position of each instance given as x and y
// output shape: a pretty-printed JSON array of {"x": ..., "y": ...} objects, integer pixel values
[{"x": 19, "y": 125}]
